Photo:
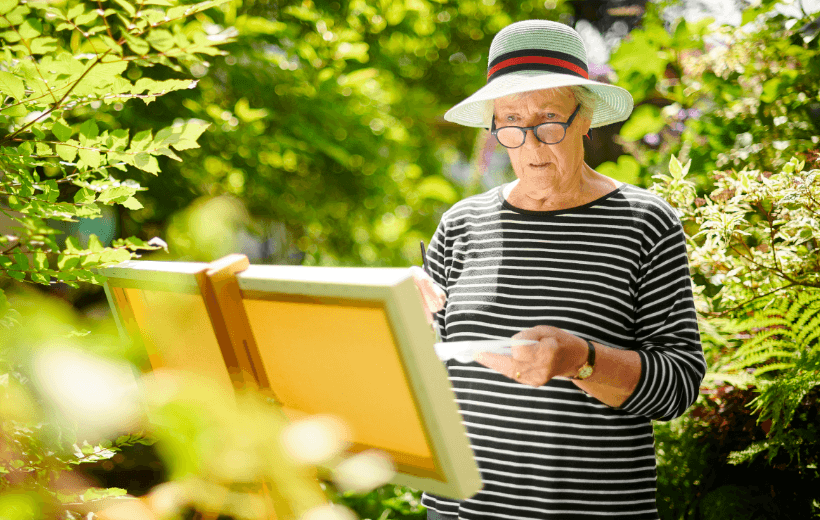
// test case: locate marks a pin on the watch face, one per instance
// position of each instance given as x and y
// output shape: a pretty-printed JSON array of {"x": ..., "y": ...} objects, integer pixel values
[{"x": 585, "y": 372}]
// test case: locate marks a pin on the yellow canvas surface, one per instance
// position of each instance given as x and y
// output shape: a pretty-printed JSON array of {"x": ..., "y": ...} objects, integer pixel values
[{"x": 340, "y": 359}]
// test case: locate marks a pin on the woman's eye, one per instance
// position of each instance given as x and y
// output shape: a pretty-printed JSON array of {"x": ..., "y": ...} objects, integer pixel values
[
  {"x": 510, "y": 119},
  {"x": 551, "y": 115}
]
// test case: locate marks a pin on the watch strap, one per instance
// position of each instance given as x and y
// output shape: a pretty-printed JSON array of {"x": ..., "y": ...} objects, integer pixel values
[{"x": 586, "y": 370}]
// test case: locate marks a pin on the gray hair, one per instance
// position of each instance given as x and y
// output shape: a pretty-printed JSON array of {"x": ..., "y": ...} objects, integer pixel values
[{"x": 583, "y": 96}]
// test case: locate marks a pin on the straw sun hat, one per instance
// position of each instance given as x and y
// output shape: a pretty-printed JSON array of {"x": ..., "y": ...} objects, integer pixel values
[{"x": 534, "y": 55}]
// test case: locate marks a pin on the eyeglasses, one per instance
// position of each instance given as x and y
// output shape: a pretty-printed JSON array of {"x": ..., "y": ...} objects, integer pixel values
[{"x": 548, "y": 133}]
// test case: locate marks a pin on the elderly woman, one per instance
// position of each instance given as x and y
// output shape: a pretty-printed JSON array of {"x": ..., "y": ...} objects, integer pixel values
[{"x": 592, "y": 269}]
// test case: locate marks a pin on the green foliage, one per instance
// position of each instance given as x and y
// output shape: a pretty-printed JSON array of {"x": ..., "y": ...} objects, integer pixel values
[
  {"x": 753, "y": 253},
  {"x": 384, "y": 503},
  {"x": 61, "y": 66},
  {"x": 741, "y": 114},
  {"x": 721, "y": 96},
  {"x": 326, "y": 124},
  {"x": 781, "y": 352},
  {"x": 40, "y": 446}
]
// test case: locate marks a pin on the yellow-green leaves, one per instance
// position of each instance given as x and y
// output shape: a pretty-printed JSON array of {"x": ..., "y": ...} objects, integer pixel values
[
  {"x": 12, "y": 85},
  {"x": 646, "y": 119},
  {"x": 61, "y": 131},
  {"x": 437, "y": 188},
  {"x": 61, "y": 69},
  {"x": 248, "y": 114}
]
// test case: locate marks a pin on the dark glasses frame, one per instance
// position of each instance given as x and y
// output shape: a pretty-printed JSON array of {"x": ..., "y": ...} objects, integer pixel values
[{"x": 534, "y": 129}]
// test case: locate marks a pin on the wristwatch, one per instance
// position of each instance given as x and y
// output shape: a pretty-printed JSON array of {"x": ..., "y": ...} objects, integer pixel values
[{"x": 589, "y": 367}]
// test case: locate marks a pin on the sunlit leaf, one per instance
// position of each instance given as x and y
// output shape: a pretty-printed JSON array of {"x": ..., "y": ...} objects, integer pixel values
[
  {"x": 646, "y": 119},
  {"x": 12, "y": 85},
  {"x": 61, "y": 131}
]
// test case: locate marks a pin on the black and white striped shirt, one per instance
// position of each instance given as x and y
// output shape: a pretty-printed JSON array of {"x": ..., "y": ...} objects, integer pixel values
[{"x": 614, "y": 271}]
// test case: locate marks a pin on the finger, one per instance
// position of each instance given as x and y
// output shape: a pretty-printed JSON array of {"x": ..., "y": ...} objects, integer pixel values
[
  {"x": 417, "y": 272},
  {"x": 441, "y": 296},
  {"x": 536, "y": 333},
  {"x": 434, "y": 297},
  {"x": 531, "y": 334},
  {"x": 505, "y": 365}
]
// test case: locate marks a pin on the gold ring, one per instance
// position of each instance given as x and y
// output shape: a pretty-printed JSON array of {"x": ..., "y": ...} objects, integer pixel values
[{"x": 518, "y": 375}]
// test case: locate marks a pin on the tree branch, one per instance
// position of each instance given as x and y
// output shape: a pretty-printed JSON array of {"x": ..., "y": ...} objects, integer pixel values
[{"x": 57, "y": 103}]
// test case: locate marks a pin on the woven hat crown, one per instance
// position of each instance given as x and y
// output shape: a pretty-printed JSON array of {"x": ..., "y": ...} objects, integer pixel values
[
  {"x": 535, "y": 55},
  {"x": 538, "y": 34}
]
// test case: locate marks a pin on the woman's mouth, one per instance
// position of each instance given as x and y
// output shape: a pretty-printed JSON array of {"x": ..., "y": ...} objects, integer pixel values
[{"x": 539, "y": 165}]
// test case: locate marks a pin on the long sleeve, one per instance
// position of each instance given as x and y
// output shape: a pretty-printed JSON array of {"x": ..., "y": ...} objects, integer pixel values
[
  {"x": 672, "y": 359},
  {"x": 437, "y": 266}
]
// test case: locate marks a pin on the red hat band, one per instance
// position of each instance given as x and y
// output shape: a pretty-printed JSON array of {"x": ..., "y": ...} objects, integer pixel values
[{"x": 537, "y": 59}]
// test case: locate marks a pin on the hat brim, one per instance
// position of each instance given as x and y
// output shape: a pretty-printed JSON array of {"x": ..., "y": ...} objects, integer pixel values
[{"x": 614, "y": 103}]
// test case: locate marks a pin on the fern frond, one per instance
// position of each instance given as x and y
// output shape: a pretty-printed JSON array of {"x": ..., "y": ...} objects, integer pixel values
[
  {"x": 761, "y": 356},
  {"x": 772, "y": 367},
  {"x": 739, "y": 457},
  {"x": 809, "y": 332},
  {"x": 766, "y": 339},
  {"x": 762, "y": 321}
]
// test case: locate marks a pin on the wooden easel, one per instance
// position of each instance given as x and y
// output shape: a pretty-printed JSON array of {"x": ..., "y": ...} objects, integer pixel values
[
  {"x": 346, "y": 342},
  {"x": 219, "y": 289}
]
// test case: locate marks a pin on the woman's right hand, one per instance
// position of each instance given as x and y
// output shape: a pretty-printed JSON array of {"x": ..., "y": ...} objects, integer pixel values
[{"x": 432, "y": 295}]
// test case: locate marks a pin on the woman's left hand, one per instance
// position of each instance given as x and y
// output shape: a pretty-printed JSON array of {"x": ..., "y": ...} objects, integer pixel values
[{"x": 557, "y": 353}]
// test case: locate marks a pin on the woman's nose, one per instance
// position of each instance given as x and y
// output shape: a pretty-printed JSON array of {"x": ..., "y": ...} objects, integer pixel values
[{"x": 530, "y": 141}]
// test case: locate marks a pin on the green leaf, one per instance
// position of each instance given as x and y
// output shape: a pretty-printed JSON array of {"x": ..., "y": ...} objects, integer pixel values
[
  {"x": 90, "y": 158},
  {"x": 43, "y": 45},
  {"x": 67, "y": 153},
  {"x": 15, "y": 111},
  {"x": 160, "y": 39},
  {"x": 115, "y": 256},
  {"x": 75, "y": 11},
  {"x": 31, "y": 28},
  {"x": 10, "y": 37},
  {"x": 138, "y": 45},
  {"x": 40, "y": 261},
  {"x": 61, "y": 131},
  {"x": 129, "y": 8},
  {"x": 66, "y": 262},
  {"x": 85, "y": 196},
  {"x": 17, "y": 275},
  {"x": 94, "y": 244},
  {"x": 89, "y": 129},
  {"x": 116, "y": 194},
  {"x": 625, "y": 170},
  {"x": 72, "y": 245},
  {"x": 770, "y": 90},
  {"x": 99, "y": 493},
  {"x": 141, "y": 141},
  {"x": 191, "y": 131},
  {"x": 146, "y": 162},
  {"x": 86, "y": 17},
  {"x": 50, "y": 189},
  {"x": 132, "y": 203},
  {"x": 12, "y": 86},
  {"x": 20, "y": 261},
  {"x": 646, "y": 119},
  {"x": 437, "y": 187},
  {"x": 43, "y": 149},
  {"x": 7, "y": 5},
  {"x": 15, "y": 16}
]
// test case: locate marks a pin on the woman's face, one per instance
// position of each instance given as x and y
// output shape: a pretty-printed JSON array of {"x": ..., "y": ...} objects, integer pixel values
[{"x": 542, "y": 168}]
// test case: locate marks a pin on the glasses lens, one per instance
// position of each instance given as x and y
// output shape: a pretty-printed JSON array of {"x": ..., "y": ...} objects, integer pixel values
[
  {"x": 550, "y": 133},
  {"x": 510, "y": 137}
]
